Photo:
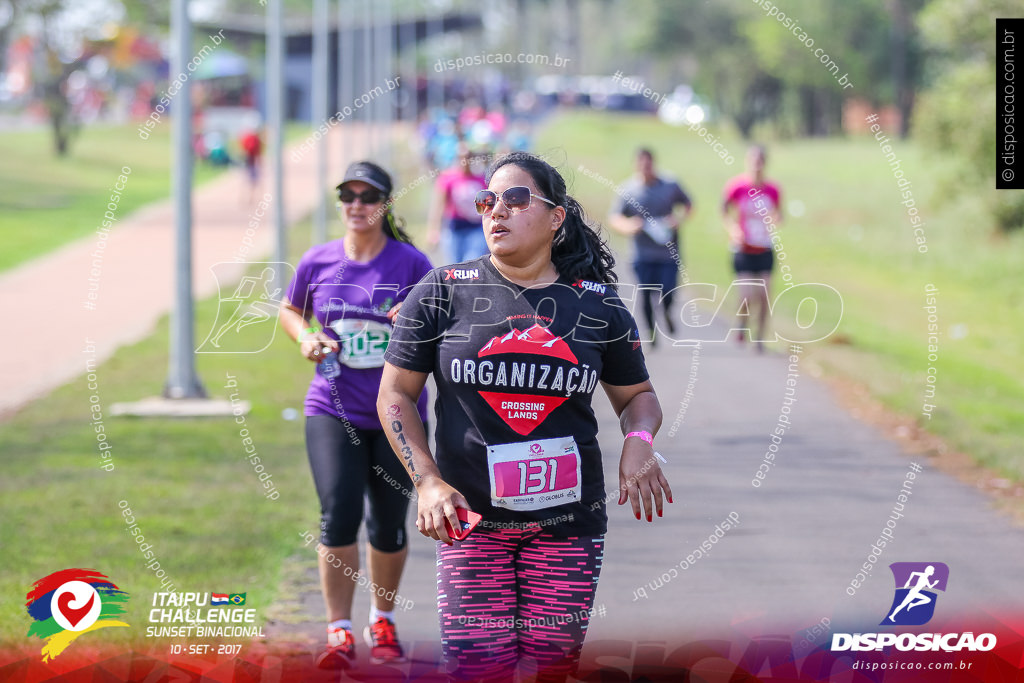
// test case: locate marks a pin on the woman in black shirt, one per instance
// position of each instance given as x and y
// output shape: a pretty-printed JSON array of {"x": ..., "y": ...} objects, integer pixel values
[{"x": 517, "y": 342}]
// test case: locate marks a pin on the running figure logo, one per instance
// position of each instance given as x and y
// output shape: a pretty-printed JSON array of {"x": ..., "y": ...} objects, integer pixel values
[
  {"x": 253, "y": 301},
  {"x": 916, "y": 583}
]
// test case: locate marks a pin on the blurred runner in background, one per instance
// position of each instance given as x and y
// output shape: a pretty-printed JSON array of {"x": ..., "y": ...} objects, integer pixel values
[
  {"x": 750, "y": 205},
  {"x": 644, "y": 208},
  {"x": 252, "y": 147},
  {"x": 453, "y": 220}
]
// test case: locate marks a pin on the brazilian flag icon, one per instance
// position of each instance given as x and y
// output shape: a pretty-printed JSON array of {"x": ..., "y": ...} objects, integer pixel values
[{"x": 237, "y": 598}]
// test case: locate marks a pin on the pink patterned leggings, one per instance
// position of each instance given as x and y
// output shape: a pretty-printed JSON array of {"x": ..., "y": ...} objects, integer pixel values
[{"x": 504, "y": 595}]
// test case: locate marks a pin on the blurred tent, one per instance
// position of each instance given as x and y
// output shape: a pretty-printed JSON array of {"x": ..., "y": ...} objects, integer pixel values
[
  {"x": 225, "y": 96},
  {"x": 222, "y": 63}
]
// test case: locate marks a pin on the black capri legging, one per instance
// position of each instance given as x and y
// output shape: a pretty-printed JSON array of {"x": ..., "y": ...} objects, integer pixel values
[{"x": 344, "y": 471}]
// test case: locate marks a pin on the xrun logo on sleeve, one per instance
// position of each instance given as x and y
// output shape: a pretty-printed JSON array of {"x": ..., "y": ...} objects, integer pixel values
[
  {"x": 461, "y": 273},
  {"x": 913, "y": 604},
  {"x": 70, "y": 603},
  {"x": 590, "y": 286}
]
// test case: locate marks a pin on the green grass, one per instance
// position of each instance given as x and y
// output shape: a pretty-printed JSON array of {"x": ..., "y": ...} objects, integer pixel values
[
  {"x": 854, "y": 235},
  {"x": 192, "y": 490},
  {"x": 47, "y": 201}
]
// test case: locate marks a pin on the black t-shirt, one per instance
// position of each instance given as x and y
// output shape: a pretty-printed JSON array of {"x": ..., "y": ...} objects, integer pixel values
[{"x": 515, "y": 366}]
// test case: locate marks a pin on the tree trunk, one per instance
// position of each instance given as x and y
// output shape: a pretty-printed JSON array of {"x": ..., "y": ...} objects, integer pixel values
[
  {"x": 744, "y": 123},
  {"x": 60, "y": 133},
  {"x": 900, "y": 48},
  {"x": 807, "y": 110}
]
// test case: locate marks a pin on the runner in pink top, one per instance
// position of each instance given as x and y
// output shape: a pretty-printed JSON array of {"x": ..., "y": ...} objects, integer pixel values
[
  {"x": 453, "y": 217},
  {"x": 752, "y": 215}
]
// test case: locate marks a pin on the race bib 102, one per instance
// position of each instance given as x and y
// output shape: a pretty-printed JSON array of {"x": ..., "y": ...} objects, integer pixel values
[{"x": 363, "y": 342}]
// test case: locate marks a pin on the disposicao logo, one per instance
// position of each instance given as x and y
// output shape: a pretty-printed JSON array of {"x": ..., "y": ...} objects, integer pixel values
[
  {"x": 914, "y": 605},
  {"x": 916, "y": 583},
  {"x": 69, "y": 603}
]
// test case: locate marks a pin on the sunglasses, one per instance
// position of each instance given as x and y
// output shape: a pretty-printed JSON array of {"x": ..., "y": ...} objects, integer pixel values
[
  {"x": 347, "y": 196},
  {"x": 515, "y": 198}
]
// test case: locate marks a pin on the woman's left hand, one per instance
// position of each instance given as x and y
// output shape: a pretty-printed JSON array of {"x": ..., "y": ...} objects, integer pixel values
[
  {"x": 393, "y": 313},
  {"x": 641, "y": 479}
]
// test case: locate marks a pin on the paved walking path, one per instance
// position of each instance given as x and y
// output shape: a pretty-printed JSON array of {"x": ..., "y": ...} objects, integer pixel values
[
  {"x": 802, "y": 537},
  {"x": 132, "y": 277}
]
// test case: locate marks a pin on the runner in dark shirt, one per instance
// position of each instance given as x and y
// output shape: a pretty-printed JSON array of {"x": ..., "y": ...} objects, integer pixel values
[
  {"x": 644, "y": 208},
  {"x": 517, "y": 342}
]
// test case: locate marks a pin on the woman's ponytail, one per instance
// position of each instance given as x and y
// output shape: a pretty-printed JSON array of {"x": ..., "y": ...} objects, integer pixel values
[
  {"x": 578, "y": 251},
  {"x": 395, "y": 228}
]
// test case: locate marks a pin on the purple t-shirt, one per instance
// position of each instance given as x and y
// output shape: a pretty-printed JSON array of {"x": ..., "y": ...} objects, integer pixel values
[{"x": 350, "y": 301}]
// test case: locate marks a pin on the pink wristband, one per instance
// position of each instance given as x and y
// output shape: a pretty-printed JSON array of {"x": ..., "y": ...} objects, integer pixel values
[{"x": 646, "y": 436}]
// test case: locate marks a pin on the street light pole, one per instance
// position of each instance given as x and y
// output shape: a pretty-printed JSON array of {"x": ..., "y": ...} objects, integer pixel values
[
  {"x": 182, "y": 379},
  {"x": 275, "y": 131},
  {"x": 368, "y": 62},
  {"x": 319, "y": 114},
  {"x": 346, "y": 73}
]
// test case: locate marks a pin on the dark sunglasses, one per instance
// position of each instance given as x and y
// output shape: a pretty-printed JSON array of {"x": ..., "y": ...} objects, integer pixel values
[
  {"x": 347, "y": 196},
  {"x": 515, "y": 198}
]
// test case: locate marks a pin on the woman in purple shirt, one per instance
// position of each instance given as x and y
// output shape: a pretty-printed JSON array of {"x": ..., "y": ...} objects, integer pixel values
[{"x": 339, "y": 309}]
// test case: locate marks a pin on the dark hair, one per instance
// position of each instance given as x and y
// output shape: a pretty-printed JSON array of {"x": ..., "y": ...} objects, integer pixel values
[
  {"x": 645, "y": 152},
  {"x": 395, "y": 227},
  {"x": 376, "y": 177},
  {"x": 578, "y": 250}
]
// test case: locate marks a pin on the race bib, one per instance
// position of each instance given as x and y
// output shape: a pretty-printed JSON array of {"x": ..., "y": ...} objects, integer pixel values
[
  {"x": 658, "y": 230},
  {"x": 532, "y": 475},
  {"x": 757, "y": 233},
  {"x": 363, "y": 342}
]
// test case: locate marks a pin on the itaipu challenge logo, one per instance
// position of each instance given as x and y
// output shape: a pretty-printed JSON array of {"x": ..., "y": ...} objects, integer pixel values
[
  {"x": 916, "y": 583},
  {"x": 70, "y": 603}
]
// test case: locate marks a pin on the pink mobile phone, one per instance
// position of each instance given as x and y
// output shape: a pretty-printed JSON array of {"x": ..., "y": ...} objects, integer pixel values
[{"x": 467, "y": 519}]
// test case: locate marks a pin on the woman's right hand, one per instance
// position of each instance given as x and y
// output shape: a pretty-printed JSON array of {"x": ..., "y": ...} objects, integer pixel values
[
  {"x": 312, "y": 346},
  {"x": 736, "y": 237},
  {"x": 436, "y": 501},
  {"x": 433, "y": 237}
]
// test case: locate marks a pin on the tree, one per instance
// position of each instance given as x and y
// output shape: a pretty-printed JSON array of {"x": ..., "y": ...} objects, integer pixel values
[
  {"x": 60, "y": 33},
  {"x": 956, "y": 113},
  {"x": 765, "y": 62},
  {"x": 51, "y": 69},
  {"x": 713, "y": 36},
  {"x": 905, "y": 57}
]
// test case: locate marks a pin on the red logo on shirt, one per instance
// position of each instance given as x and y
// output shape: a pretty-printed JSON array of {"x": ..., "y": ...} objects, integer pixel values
[
  {"x": 523, "y": 412},
  {"x": 536, "y": 339}
]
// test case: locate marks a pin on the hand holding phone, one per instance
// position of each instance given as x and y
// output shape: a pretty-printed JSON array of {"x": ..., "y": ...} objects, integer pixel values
[{"x": 468, "y": 521}]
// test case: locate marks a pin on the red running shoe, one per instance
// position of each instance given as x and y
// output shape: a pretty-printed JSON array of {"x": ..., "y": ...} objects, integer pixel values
[
  {"x": 383, "y": 642},
  {"x": 340, "y": 652}
]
